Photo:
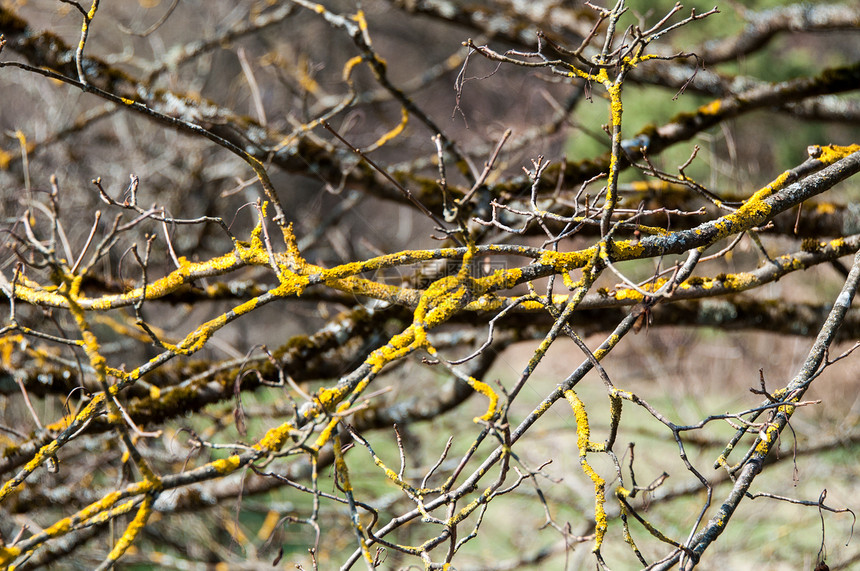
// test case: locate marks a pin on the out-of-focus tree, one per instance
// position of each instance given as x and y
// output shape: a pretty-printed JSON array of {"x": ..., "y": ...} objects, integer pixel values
[{"x": 258, "y": 258}]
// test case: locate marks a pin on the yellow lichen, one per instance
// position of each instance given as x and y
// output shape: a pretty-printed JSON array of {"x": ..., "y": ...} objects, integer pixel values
[
  {"x": 269, "y": 525},
  {"x": 837, "y": 243},
  {"x": 832, "y": 153},
  {"x": 584, "y": 444},
  {"x": 500, "y": 279},
  {"x": 627, "y": 294},
  {"x": 227, "y": 465},
  {"x": 752, "y": 213},
  {"x": 340, "y": 465},
  {"x": 132, "y": 530},
  {"x": 328, "y": 398},
  {"x": 275, "y": 438},
  {"x": 8, "y": 553},
  {"x": 349, "y": 66},
  {"x": 291, "y": 283},
  {"x": 566, "y": 261},
  {"x": 487, "y": 391},
  {"x": 711, "y": 108},
  {"x": 360, "y": 20},
  {"x": 615, "y": 106}
]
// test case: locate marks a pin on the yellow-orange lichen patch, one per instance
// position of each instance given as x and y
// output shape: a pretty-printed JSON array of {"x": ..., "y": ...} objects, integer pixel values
[
  {"x": 625, "y": 250},
  {"x": 227, "y": 465},
  {"x": 399, "y": 345},
  {"x": 751, "y": 214},
  {"x": 500, "y": 279},
  {"x": 615, "y": 106},
  {"x": 829, "y": 154},
  {"x": 275, "y": 438},
  {"x": 291, "y": 283},
  {"x": 329, "y": 398},
  {"x": 711, "y": 108},
  {"x": 584, "y": 445},
  {"x": 133, "y": 529},
  {"x": 5, "y": 159},
  {"x": 7, "y": 554},
  {"x": 566, "y": 261},
  {"x": 404, "y": 119}
]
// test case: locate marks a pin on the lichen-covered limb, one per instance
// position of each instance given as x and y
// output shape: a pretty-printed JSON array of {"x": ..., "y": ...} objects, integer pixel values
[
  {"x": 766, "y": 203},
  {"x": 492, "y": 398},
  {"x": 342, "y": 475},
  {"x": 109, "y": 507},
  {"x": 442, "y": 300},
  {"x": 174, "y": 394},
  {"x": 621, "y": 495},
  {"x": 685, "y": 125},
  {"x": 295, "y": 275},
  {"x": 131, "y": 532},
  {"x": 65, "y": 525},
  {"x": 47, "y": 451},
  {"x": 608, "y": 344},
  {"x": 32, "y": 292},
  {"x": 813, "y": 252},
  {"x": 585, "y": 445},
  {"x": 791, "y": 393},
  {"x": 70, "y": 291}
]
